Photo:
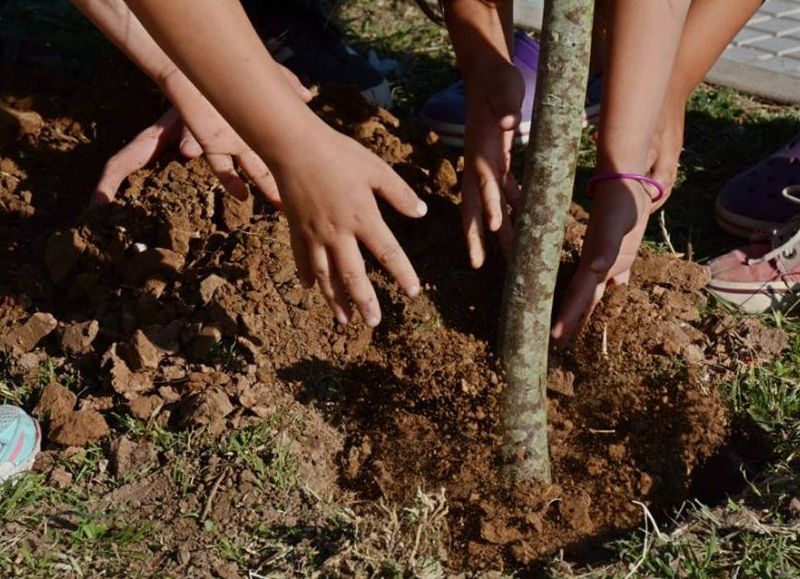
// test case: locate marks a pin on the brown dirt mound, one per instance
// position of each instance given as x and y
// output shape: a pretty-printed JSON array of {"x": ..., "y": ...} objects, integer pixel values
[{"x": 184, "y": 303}]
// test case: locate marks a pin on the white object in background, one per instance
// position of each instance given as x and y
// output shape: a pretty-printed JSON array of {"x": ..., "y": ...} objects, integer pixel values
[{"x": 528, "y": 13}]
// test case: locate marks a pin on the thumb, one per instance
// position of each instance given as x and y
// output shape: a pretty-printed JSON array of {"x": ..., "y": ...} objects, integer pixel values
[
  {"x": 302, "y": 91},
  {"x": 189, "y": 146},
  {"x": 665, "y": 171}
]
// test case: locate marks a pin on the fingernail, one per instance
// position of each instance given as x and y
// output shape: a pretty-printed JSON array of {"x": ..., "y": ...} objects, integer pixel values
[
  {"x": 342, "y": 318},
  {"x": 413, "y": 291},
  {"x": 372, "y": 320},
  {"x": 422, "y": 209}
]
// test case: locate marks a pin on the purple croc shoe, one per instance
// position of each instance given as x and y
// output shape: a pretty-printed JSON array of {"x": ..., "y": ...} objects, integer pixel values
[
  {"x": 446, "y": 111},
  {"x": 764, "y": 198}
]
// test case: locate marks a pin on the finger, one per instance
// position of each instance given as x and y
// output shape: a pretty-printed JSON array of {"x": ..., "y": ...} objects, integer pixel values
[
  {"x": 298, "y": 86},
  {"x": 144, "y": 148},
  {"x": 322, "y": 271},
  {"x": 600, "y": 251},
  {"x": 381, "y": 243},
  {"x": 350, "y": 270},
  {"x": 189, "y": 147},
  {"x": 665, "y": 171},
  {"x": 394, "y": 190},
  {"x": 472, "y": 221},
  {"x": 222, "y": 166},
  {"x": 301, "y": 258},
  {"x": 583, "y": 294},
  {"x": 491, "y": 195},
  {"x": 258, "y": 171}
]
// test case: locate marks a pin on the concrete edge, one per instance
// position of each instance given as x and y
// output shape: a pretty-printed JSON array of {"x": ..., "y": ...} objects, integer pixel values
[
  {"x": 527, "y": 15},
  {"x": 755, "y": 81}
]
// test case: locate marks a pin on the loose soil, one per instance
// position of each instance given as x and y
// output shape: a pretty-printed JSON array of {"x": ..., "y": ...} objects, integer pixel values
[{"x": 179, "y": 306}]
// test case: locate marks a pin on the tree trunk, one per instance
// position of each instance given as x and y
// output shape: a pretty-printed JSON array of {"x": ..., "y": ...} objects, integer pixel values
[{"x": 547, "y": 190}]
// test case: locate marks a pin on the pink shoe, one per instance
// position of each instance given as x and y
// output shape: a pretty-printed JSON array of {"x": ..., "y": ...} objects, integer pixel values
[{"x": 759, "y": 278}]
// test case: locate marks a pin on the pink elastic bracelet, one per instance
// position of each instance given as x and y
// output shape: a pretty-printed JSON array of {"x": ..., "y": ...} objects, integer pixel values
[{"x": 623, "y": 176}]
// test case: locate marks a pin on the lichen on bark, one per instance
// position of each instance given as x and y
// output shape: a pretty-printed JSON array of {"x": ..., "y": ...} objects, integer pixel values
[{"x": 547, "y": 191}]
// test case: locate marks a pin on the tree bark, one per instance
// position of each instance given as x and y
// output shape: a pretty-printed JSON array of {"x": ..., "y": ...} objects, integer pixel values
[{"x": 547, "y": 191}]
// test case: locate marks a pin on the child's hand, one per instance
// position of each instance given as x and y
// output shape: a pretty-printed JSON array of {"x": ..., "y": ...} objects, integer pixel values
[
  {"x": 198, "y": 130},
  {"x": 489, "y": 190},
  {"x": 616, "y": 227},
  {"x": 328, "y": 191}
]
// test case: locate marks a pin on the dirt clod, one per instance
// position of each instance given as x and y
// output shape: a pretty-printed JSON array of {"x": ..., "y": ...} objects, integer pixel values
[
  {"x": 207, "y": 408},
  {"x": 55, "y": 402},
  {"x": 144, "y": 407},
  {"x": 60, "y": 478},
  {"x": 26, "y": 337},
  {"x": 79, "y": 428},
  {"x": 64, "y": 249},
  {"x": 127, "y": 456},
  {"x": 209, "y": 286},
  {"x": 122, "y": 379},
  {"x": 236, "y": 214},
  {"x": 78, "y": 337},
  {"x": 141, "y": 353}
]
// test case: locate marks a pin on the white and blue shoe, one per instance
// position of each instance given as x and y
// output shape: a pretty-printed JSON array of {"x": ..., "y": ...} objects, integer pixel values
[{"x": 20, "y": 440}]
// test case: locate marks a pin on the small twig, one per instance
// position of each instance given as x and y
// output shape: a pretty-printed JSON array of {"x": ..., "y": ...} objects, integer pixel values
[
  {"x": 604, "y": 346},
  {"x": 212, "y": 494},
  {"x": 648, "y": 541},
  {"x": 602, "y": 431},
  {"x": 662, "y": 223}
]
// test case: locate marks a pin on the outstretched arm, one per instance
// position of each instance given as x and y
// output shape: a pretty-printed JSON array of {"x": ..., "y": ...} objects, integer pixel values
[
  {"x": 327, "y": 181},
  {"x": 205, "y": 131},
  {"x": 643, "y": 42},
  {"x": 482, "y": 35},
  {"x": 710, "y": 27}
]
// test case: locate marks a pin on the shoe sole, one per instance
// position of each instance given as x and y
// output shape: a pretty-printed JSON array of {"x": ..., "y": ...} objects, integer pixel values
[
  {"x": 754, "y": 297},
  {"x": 741, "y": 225},
  {"x": 26, "y": 465},
  {"x": 452, "y": 134}
]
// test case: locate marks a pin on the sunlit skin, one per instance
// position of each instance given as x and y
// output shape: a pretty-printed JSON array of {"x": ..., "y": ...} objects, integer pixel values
[{"x": 656, "y": 54}]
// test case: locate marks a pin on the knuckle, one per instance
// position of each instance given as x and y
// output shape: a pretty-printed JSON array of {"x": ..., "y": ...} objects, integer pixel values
[
  {"x": 483, "y": 181},
  {"x": 364, "y": 303},
  {"x": 321, "y": 275},
  {"x": 350, "y": 278},
  {"x": 389, "y": 254}
]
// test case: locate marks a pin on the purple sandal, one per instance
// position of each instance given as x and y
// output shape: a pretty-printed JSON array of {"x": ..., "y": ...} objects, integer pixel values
[{"x": 763, "y": 198}]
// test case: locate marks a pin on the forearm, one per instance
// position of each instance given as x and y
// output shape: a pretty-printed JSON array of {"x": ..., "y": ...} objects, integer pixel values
[
  {"x": 481, "y": 32},
  {"x": 643, "y": 44},
  {"x": 710, "y": 27},
  {"x": 214, "y": 44}
]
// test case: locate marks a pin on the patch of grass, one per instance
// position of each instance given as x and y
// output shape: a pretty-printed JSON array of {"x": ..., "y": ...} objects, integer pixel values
[
  {"x": 86, "y": 464},
  {"x": 398, "y": 30},
  {"x": 260, "y": 448},
  {"x": 770, "y": 393},
  {"x": 17, "y": 495}
]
